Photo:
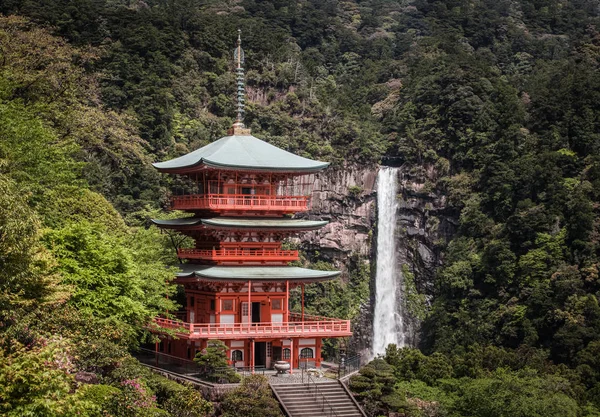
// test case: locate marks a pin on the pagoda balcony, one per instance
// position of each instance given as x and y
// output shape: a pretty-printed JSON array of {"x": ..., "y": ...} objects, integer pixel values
[
  {"x": 241, "y": 202},
  {"x": 240, "y": 255},
  {"x": 267, "y": 330}
]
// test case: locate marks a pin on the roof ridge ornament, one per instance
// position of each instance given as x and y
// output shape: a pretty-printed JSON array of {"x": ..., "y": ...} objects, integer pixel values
[{"x": 238, "y": 127}]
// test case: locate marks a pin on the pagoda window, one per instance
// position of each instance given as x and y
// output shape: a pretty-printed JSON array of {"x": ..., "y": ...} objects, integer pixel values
[
  {"x": 237, "y": 356},
  {"x": 227, "y": 305},
  {"x": 212, "y": 305},
  {"x": 192, "y": 301},
  {"x": 276, "y": 304},
  {"x": 306, "y": 353},
  {"x": 287, "y": 353}
]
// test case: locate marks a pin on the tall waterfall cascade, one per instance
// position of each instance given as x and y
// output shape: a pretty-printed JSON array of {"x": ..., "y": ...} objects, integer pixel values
[{"x": 388, "y": 323}]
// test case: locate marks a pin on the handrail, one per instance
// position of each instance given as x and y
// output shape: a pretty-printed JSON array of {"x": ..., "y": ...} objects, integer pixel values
[
  {"x": 217, "y": 254},
  {"x": 348, "y": 365},
  {"x": 241, "y": 201},
  {"x": 295, "y": 317},
  {"x": 226, "y": 330},
  {"x": 324, "y": 400}
]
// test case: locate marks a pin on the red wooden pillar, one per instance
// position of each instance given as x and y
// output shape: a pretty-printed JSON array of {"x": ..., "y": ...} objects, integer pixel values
[
  {"x": 292, "y": 357},
  {"x": 287, "y": 301},
  {"x": 318, "y": 352},
  {"x": 252, "y": 355},
  {"x": 250, "y": 305},
  {"x": 217, "y": 310}
]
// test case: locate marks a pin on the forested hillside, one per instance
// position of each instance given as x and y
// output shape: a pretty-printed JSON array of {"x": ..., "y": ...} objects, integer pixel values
[{"x": 495, "y": 103}]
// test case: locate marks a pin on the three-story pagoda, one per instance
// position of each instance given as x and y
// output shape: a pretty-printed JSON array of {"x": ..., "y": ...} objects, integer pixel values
[{"x": 237, "y": 277}]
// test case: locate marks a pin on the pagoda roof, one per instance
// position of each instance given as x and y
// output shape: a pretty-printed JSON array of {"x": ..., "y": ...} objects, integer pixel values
[
  {"x": 241, "y": 223},
  {"x": 241, "y": 152},
  {"x": 253, "y": 273}
]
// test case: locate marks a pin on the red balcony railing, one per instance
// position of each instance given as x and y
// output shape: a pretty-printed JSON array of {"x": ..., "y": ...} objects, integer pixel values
[
  {"x": 241, "y": 202},
  {"x": 240, "y": 255},
  {"x": 296, "y": 317},
  {"x": 330, "y": 328}
]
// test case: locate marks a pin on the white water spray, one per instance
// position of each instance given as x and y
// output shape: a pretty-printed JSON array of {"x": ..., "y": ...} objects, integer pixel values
[{"x": 388, "y": 325}]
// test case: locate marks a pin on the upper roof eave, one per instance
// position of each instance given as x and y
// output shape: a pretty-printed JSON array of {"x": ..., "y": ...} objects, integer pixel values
[
  {"x": 197, "y": 167},
  {"x": 241, "y": 152}
]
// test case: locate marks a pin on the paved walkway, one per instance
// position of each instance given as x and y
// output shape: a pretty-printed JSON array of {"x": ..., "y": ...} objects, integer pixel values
[{"x": 296, "y": 378}]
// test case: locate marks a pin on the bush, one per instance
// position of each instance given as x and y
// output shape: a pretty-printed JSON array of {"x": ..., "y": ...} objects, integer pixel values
[
  {"x": 252, "y": 399},
  {"x": 213, "y": 363}
]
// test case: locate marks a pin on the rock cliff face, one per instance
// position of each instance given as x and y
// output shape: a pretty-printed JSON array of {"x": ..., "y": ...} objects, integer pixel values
[
  {"x": 347, "y": 198},
  {"x": 424, "y": 224}
]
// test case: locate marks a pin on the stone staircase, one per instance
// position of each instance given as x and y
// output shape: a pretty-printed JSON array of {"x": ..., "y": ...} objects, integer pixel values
[{"x": 316, "y": 399}]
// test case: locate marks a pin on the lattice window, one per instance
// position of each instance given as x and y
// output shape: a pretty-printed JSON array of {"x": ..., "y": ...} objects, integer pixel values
[
  {"x": 306, "y": 353},
  {"x": 287, "y": 353},
  {"x": 276, "y": 304},
  {"x": 244, "y": 309},
  {"x": 269, "y": 350},
  {"x": 227, "y": 305},
  {"x": 237, "y": 356}
]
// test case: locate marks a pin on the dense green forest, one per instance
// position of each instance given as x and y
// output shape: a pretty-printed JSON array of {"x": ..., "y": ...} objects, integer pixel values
[{"x": 496, "y": 102}]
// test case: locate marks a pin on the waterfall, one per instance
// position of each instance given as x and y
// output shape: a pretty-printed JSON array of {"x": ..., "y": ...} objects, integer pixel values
[{"x": 388, "y": 325}]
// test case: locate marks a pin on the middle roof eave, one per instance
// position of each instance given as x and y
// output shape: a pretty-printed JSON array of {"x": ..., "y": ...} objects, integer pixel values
[
  {"x": 254, "y": 273},
  {"x": 263, "y": 223},
  {"x": 241, "y": 223}
]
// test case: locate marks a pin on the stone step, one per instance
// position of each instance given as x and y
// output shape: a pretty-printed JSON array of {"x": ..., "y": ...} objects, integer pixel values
[
  {"x": 320, "y": 412},
  {"x": 300, "y": 401},
  {"x": 320, "y": 389},
  {"x": 316, "y": 410}
]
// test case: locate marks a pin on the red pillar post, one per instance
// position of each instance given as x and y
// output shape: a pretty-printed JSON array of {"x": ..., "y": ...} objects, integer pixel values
[
  {"x": 292, "y": 357},
  {"x": 252, "y": 356},
  {"x": 287, "y": 301},
  {"x": 318, "y": 352},
  {"x": 249, "y": 304}
]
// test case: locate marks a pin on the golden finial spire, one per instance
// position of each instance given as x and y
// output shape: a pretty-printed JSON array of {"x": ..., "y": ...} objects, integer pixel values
[{"x": 238, "y": 127}]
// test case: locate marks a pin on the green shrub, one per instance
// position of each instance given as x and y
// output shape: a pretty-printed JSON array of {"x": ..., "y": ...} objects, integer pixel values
[{"x": 252, "y": 399}]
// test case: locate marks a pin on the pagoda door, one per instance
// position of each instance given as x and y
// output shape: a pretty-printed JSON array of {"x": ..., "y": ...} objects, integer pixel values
[
  {"x": 244, "y": 312},
  {"x": 256, "y": 312}
]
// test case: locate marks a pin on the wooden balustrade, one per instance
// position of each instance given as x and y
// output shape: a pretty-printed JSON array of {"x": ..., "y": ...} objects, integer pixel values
[
  {"x": 239, "y": 255},
  {"x": 330, "y": 328},
  {"x": 296, "y": 317},
  {"x": 244, "y": 202}
]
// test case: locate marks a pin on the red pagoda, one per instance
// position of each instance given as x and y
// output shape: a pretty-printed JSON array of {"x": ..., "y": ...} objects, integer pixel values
[{"x": 237, "y": 277}]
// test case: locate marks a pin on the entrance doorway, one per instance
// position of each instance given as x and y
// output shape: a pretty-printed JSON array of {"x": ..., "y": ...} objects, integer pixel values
[
  {"x": 276, "y": 353},
  {"x": 256, "y": 312},
  {"x": 260, "y": 354}
]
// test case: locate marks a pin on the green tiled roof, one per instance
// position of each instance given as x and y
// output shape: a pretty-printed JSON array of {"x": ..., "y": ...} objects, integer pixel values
[
  {"x": 176, "y": 223},
  {"x": 243, "y": 223},
  {"x": 254, "y": 273},
  {"x": 240, "y": 153}
]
